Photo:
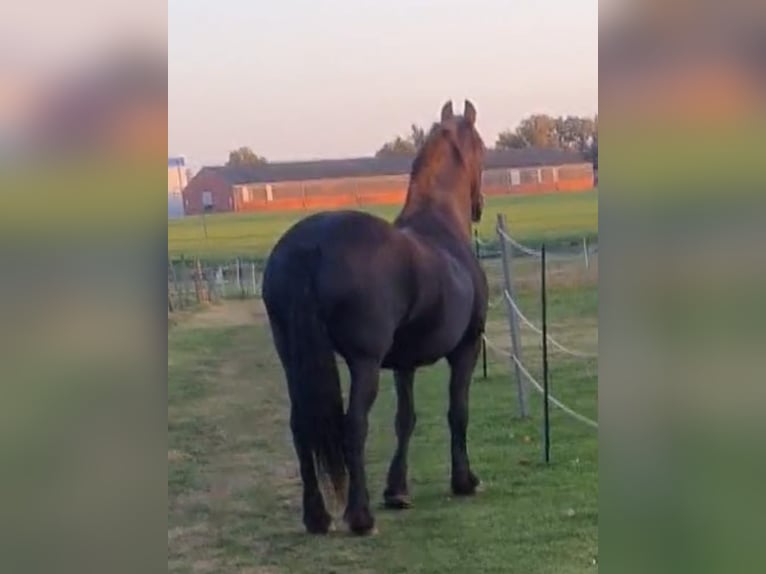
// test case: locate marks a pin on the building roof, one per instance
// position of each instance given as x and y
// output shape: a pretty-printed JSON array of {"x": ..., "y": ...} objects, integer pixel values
[
  {"x": 530, "y": 157},
  {"x": 372, "y": 166}
]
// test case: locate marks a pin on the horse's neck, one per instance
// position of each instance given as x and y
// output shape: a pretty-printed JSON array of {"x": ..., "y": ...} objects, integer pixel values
[{"x": 427, "y": 215}]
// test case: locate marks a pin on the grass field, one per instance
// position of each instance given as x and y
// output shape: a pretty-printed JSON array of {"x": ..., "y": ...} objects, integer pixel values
[
  {"x": 234, "y": 489},
  {"x": 533, "y": 218}
]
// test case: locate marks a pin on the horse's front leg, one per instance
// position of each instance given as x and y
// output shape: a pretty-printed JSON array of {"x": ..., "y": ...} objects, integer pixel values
[
  {"x": 364, "y": 388},
  {"x": 462, "y": 362}
]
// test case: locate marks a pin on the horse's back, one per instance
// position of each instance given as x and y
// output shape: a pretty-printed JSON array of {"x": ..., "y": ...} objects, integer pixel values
[
  {"x": 328, "y": 227},
  {"x": 382, "y": 290},
  {"x": 357, "y": 265},
  {"x": 349, "y": 244}
]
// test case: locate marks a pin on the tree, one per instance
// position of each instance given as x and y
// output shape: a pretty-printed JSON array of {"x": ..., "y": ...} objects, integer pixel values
[
  {"x": 510, "y": 140},
  {"x": 591, "y": 146},
  {"x": 244, "y": 156},
  {"x": 539, "y": 130},
  {"x": 568, "y": 132},
  {"x": 417, "y": 135},
  {"x": 592, "y": 152},
  {"x": 400, "y": 146},
  {"x": 582, "y": 132},
  {"x": 396, "y": 147}
]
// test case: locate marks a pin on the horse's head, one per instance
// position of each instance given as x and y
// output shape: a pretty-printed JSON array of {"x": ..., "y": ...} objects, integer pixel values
[
  {"x": 462, "y": 134},
  {"x": 446, "y": 172}
]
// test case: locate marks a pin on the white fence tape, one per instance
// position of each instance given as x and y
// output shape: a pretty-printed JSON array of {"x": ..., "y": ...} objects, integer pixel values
[
  {"x": 553, "y": 400},
  {"x": 519, "y": 246},
  {"x": 592, "y": 250},
  {"x": 551, "y": 340}
]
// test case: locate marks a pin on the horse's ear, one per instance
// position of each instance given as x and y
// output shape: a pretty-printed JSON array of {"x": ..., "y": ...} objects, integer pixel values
[
  {"x": 470, "y": 112},
  {"x": 447, "y": 113}
]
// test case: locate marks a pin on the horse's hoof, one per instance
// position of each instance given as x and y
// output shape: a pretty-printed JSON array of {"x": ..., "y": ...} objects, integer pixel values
[
  {"x": 397, "y": 501},
  {"x": 361, "y": 523},
  {"x": 318, "y": 525},
  {"x": 465, "y": 486}
]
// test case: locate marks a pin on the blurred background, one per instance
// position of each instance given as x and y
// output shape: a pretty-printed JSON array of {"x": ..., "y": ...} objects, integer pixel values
[
  {"x": 83, "y": 130},
  {"x": 682, "y": 89},
  {"x": 83, "y": 133}
]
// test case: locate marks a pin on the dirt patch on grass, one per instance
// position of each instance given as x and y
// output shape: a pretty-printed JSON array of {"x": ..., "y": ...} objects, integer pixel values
[
  {"x": 243, "y": 479},
  {"x": 228, "y": 314}
]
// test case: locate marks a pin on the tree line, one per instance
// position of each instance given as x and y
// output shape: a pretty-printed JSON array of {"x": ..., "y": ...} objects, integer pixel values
[
  {"x": 573, "y": 133},
  {"x": 244, "y": 156}
]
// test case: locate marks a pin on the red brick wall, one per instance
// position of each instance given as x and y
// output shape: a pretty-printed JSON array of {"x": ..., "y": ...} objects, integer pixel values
[
  {"x": 359, "y": 192},
  {"x": 207, "y": 181}
]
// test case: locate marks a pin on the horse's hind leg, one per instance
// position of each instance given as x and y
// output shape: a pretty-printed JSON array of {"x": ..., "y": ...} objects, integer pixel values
[
  {"x": 364, "y": 388},
  {"x": 316, "y": 519},
  {"x": 462, "y": 362},
  {"x": 396, "y": 494}
]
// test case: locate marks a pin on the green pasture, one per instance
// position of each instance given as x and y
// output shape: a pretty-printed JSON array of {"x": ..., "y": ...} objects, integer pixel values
[
  {"x": 557, "y": 218},
  {"x": 234, "y": 502}
]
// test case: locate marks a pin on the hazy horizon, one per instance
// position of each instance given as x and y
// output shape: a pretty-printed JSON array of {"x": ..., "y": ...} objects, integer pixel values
[{"x": 300, "y": 80}]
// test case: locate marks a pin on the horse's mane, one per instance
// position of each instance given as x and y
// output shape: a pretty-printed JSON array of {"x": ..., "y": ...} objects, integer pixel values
[
  {"x": 439, "y": 146},
  {"x": 443, "y": 173}
]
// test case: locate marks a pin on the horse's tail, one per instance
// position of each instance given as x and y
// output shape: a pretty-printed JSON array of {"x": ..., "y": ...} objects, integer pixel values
[{"x": 312, "y": 375}]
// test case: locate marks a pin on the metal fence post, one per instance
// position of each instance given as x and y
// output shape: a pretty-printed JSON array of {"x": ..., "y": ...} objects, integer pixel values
[
  {"x": 210, "y": 279},
  {"x": 585, "y": 252},
  {"x": 183, "y": 281},
  {"x": 546, "y": 420},
  {"x": 240, "y": 287},
  {"x": 219, "y": 281},
  {"x": 200, "y": 287},
  {"x": 179, "y": 303},
  {"x": 483, "y": 342},
  {"x": 506, "y": 256}
]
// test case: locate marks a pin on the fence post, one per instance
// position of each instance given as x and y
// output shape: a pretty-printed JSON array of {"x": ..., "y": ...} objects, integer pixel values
[
  {"x": 199, "y": 283},
  {"x": 172, "y": 266},
  {"x": 483, "y": 342},
  {"x": 238, "y": 273},
  {"x": 220, "y": 284},
  {"x": 195, "y": 281},
  {"x": 170, "y": 290},
  {"x": 546, "y": 420},
  {"x": 585, "y": 252},
  {"x": 506, "y": 253},
  {"x": 211, "y": 286},
  {"x": 255, "y": 285},
  {"x": 183, "y": 281}
]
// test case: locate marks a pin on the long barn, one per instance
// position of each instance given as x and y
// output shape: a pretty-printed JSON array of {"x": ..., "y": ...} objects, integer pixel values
[{"x": 329, "y": 184}]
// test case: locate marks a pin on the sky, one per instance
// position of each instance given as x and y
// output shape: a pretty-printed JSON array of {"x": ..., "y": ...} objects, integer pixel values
[{"x": 310, "y": 79}]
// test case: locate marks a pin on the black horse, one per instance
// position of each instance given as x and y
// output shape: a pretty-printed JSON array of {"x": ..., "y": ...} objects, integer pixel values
[{"x": 383, "y": 296}]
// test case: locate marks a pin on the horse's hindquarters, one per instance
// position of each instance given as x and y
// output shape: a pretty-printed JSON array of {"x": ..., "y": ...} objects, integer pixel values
[{"x": 356, "y": 264}]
